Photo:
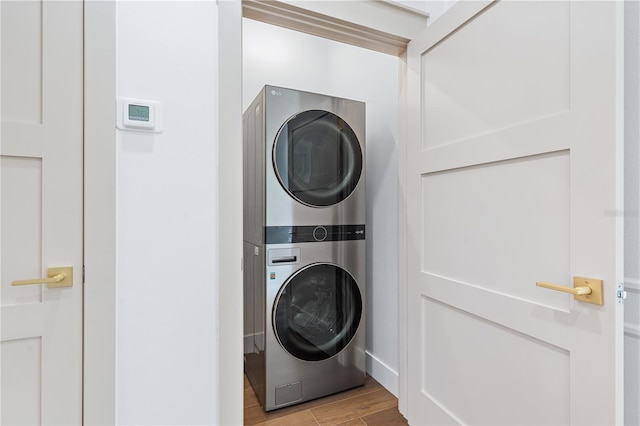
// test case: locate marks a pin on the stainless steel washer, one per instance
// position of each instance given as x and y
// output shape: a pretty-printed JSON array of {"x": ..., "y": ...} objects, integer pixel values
[{"x": 312, "y": 333}]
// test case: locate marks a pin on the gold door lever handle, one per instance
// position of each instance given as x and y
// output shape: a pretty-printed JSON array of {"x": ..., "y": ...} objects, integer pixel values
[
  {"x": 56, "y": 277},
  {"x": 584, "y": 289},
  {"x": 577, "y": 291}
]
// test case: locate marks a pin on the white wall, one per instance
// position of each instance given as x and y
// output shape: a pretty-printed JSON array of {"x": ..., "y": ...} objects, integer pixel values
[
  {"x": 167, "y": 345},
  {"x": 277, "y": 56},
  {"x": 632, "y": 212}
]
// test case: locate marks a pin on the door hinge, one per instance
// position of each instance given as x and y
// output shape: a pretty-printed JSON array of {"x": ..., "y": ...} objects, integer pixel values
[
  {"x": 621, "y": 295},
  {"x": 82, "y": 274}
]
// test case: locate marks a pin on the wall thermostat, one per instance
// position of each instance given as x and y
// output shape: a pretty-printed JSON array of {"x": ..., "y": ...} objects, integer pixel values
[{"x": 139, "y": 115}]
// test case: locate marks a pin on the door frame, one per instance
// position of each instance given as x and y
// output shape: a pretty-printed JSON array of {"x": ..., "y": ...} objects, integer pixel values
[
  {"x": 99, "y": 381},
  {"x": 100, "y": 168}
]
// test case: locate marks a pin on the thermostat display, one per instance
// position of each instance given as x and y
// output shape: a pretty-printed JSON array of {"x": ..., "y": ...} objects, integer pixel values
[
  {"x": 139, "y": 115},
  {"x": 138, "y": 112}
]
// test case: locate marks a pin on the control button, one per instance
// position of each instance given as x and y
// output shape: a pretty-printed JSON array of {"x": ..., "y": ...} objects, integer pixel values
[{"x": 320, "y": 233}]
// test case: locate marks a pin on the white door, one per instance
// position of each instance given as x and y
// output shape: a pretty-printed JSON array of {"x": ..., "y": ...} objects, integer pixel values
[
  {"x": 41, "y": 211},
  {"x": 514, "y": 177}
]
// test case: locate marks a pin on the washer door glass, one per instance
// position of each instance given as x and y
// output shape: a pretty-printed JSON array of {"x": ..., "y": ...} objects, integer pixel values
[
  {"x": 317, "y": 158},
  {"x": 317, "y": 312}
]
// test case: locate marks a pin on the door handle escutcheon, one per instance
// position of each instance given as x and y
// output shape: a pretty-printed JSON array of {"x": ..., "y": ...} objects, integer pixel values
[
  {"x": 584, "y": 289},
  {"x": 56, "y": 277}
]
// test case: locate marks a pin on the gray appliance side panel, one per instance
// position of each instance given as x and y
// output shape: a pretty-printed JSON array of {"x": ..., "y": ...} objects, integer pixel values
[
  {"x": 253, "y": 171},
  {"x": 248, "y": 120},
  {"x": 254, "y": 315}
]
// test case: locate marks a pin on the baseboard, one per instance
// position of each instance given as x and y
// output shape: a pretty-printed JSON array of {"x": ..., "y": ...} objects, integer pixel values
[{"x": 382, "y": 373}]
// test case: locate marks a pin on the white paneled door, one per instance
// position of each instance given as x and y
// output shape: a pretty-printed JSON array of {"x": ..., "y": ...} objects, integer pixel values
[
  {"x": 41, "y": 211},
  {"x": 513, "y": 178}
]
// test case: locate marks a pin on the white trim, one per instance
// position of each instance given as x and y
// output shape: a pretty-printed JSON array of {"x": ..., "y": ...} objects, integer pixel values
[
  {"x": 230, "y": 308},
  {"x": 382, "y": 373},
  {"x": 402, "y": 237},
  {"x": 385, "y": 16},
  {"x": 332, "y": 28},
  {"x": 99, "y": 393}
]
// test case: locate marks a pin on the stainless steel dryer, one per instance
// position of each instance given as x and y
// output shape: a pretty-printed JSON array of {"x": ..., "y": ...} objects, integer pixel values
[
  {"x": 312, "y": 333},
  {"x": 304, "y": 161}
]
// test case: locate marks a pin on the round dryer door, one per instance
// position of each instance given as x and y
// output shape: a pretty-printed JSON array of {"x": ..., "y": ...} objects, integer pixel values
[
  {"x": 317, "y": 158},
  {"x": 317, "y": 312}
]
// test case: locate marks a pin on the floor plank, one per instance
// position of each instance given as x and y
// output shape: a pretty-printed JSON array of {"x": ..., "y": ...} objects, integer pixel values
[
  {"x": 388, "y": 417},
  {"x": 352, "y": 408},
  {"x": 354, "y": 422},
  {"x": 302, "y": 418}
]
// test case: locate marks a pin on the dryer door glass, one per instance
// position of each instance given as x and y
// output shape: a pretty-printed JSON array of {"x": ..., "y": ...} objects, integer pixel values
[
  {"x": 317, "y": 312},
  {"x": 317, "y": 158}
]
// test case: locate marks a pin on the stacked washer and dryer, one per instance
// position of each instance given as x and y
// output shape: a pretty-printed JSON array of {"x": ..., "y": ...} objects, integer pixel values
[{"x": 304, "y": 245}]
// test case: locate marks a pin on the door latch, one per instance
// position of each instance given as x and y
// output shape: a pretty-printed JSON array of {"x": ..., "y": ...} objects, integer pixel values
[{"x": 621, "y": 295}]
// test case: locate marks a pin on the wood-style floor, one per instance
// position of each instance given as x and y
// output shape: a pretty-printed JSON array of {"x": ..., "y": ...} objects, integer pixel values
[{"x": 370, "y": 405}]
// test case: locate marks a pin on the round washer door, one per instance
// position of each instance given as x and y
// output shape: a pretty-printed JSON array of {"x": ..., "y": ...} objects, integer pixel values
[
  {"x": 317, "y": 158},
  {"x": 317, "y": 312}
]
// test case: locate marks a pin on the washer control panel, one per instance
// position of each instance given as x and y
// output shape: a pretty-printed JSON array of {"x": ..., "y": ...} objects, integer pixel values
[{"x": 311, "y": 234}]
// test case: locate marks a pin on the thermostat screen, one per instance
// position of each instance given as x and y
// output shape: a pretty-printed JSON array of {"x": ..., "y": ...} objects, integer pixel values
[{"x": 138, "y": 112}]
